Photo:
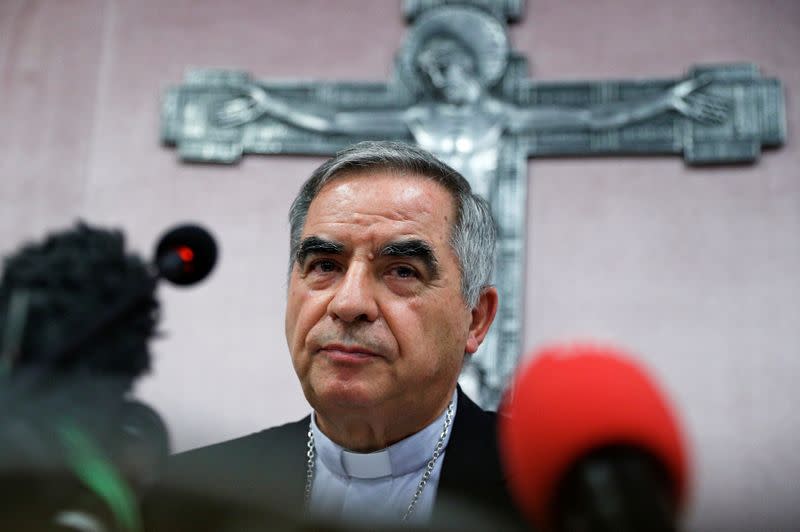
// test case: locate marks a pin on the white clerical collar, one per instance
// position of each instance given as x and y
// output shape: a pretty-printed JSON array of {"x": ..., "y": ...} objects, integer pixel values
[{"x": 406, "y": 456}]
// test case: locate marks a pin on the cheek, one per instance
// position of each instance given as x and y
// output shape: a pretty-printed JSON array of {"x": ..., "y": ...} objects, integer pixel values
[
  {"x": 292, "y": 311},
  {"x": 422, "y": 328},
  {"x": 302, "y": 312},
  {"x": 405, "y": 314}
]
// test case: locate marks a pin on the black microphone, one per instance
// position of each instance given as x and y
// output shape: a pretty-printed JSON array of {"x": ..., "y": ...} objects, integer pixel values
[
  {"x": 77, "y": 312},
  {"x": 77, "y": 302},
  {"x": 185, "y": 254},
  {"x": 108, "y": 290}
]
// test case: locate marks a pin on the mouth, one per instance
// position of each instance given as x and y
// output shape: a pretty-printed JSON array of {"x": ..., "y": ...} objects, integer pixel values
[{"x": 349, "y": 354}]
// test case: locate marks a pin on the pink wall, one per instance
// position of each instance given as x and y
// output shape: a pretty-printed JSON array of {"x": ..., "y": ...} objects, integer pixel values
[{"x": 694, "y": 269}]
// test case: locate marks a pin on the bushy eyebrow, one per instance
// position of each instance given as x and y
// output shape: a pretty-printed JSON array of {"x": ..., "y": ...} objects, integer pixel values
[
  {"x": 316, "y": 245},
  {"x": 413, "y": 248}
]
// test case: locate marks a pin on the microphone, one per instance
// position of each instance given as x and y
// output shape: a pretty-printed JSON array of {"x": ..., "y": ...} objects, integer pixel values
[
  {"x": 77, "y": 302},
  {"x": 77, "y": 313},
  {"x": 185, "y": 254},
  {"x": 93, "y": 305},
  {"x": 590, "y": 444}
]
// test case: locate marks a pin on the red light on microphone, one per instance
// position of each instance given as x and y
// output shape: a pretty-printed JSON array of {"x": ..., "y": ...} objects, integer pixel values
[{"x": 185, "y": 253}]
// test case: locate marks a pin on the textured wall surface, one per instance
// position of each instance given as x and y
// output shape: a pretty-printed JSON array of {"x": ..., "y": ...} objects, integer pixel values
[{"x": 695, "y": 270}]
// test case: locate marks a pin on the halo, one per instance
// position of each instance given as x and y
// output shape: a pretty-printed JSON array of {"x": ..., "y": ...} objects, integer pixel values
[{"x": 482, "y": 34}]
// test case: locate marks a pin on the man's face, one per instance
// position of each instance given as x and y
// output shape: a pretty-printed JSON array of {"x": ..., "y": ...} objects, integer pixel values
[{"x": 375, "y": 319}]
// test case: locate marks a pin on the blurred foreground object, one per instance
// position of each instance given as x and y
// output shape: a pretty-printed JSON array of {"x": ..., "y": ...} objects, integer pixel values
[
  {"x": 77, "y": 314},
  {"x": 591, "y": 444}
]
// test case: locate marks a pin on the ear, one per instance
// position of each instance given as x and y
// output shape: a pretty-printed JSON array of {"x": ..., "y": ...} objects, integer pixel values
[{"x": 482, "y": 317}]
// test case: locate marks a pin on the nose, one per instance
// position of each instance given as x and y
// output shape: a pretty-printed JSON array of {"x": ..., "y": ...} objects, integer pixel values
[{"x": 354, "y": 299}]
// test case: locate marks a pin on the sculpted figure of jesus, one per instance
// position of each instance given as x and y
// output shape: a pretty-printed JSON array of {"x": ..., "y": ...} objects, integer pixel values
[{"x": 460, "y": 121}]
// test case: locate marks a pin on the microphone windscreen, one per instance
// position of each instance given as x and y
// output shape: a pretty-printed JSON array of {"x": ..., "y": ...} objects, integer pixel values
[
  {"x": 72, "y": 278},
  {"x": 570, "y": 400}
]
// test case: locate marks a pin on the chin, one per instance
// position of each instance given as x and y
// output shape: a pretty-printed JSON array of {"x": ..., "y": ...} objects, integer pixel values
[{"x": 348, "y": 395}]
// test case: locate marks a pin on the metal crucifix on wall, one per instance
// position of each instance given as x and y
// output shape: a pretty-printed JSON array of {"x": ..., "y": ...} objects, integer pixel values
[{"x": 460, "y": 91}]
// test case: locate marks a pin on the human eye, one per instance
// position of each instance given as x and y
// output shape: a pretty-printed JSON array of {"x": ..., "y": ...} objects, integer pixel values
[
  {"x": 403, "y": 271},
  {"x": 322, "y": 266}
]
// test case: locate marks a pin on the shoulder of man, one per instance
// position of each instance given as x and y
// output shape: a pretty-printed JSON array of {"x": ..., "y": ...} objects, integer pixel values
[
  {"x": 259, "y": 445},
  {"x": 266, "y": 465},
  {"x": 472, "y": 470},
  {"x": 473, "y": 444}
]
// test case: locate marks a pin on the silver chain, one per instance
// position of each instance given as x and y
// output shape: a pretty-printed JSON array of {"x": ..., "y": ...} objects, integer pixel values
[
  {"x": 426, "y": 476},
  {"x": 309, "y": 466}
]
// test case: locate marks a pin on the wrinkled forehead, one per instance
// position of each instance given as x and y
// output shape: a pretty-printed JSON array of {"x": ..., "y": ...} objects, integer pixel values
[
  {"x": 400, "y": 175},
  {"x": 392, "y": 193}
]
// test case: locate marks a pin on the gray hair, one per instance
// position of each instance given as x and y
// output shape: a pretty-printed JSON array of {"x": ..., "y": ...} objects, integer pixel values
[{"x": 473, "y": 234}]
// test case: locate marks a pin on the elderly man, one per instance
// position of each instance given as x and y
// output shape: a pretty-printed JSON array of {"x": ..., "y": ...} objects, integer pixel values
[{"x": 389, "y": 291}]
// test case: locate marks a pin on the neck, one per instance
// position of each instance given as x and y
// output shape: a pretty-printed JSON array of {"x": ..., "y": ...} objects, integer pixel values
[{"x": 368, "y": 433}]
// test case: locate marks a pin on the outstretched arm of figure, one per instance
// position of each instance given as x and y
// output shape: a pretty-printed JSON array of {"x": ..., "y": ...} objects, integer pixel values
[
  {"x": 256, "y": 102},
  {"x": 681, "y": 97}
]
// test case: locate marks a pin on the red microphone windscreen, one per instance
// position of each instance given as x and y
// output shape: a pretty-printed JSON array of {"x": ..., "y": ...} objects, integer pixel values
[{"x": 574, "y": 399}]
